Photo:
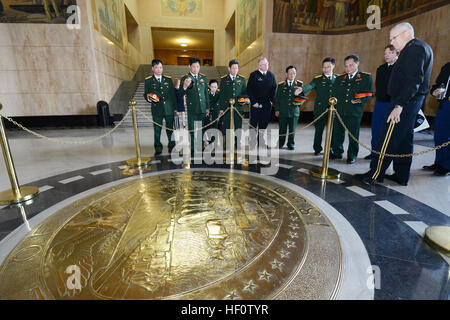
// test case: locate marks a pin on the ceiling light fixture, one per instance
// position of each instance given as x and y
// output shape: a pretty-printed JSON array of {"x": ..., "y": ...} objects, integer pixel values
[{"x": 184, "y": 41}]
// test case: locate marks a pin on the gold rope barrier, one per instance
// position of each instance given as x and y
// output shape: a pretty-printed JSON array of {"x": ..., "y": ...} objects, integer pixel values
[
  {"x": 324, "y": 172},
  {"x": 138, "y": 161},
  {"x": 17, "y": 194},
  {"x": 286, "y": 134},
  {"x": 163, "y": 127},
  {"x": 445, "y": 144},
  {"x": 60, "y": 141}
]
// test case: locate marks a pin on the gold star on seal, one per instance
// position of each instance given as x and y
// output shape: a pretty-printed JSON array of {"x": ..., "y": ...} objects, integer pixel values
[
  {"x": 277, "y": 265},
  {"x": 284, "y": 254},
  {"x": 232, "y": 295},
  {"x": 264, "y": 275},
  {"x": 289, "y": 244},
  {"x": 250, "y": 287}
]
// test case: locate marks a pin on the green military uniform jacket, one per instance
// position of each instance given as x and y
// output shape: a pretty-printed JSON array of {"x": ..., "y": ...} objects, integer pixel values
[
  {"x": 197, "y": 96},
  {"x": 325, "y": 89},
  {"x": 166, "y": 93},
  {"x": 284, "y": 99},
  {"x": 230, "y": 89},
  {"x": 346, "y": 90}
]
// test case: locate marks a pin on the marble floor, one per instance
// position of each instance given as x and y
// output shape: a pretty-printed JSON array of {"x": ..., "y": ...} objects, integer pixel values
[{"x": 380, "y": 228}]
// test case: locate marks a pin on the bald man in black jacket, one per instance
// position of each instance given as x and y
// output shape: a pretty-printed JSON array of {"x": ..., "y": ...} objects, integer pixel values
[
  {"x": 409, "y": 83},
  {"x": 261, "y": 87}
]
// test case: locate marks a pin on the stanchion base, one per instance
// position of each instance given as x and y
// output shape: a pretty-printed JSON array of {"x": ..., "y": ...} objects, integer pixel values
[
  {"x": 26, "y": 193},
  {"x": 332, "y": 174},
  {"x": 439, "y": 238},
  {"x": 138, "y": 162}
]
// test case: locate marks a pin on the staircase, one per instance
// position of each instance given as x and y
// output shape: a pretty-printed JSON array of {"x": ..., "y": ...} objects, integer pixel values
[
  {"x": 176, "y": 72},
  {"x": 141, "y": 105}
]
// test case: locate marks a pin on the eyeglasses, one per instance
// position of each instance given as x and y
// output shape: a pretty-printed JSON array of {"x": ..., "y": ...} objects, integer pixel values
[{"x": 393, "y": 38}]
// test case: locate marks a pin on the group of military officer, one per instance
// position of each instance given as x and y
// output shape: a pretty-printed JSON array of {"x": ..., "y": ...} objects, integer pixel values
[{"x": 352, "y": 89}]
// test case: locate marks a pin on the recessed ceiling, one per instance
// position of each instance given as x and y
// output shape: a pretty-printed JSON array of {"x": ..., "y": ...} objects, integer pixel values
[{"x": 169, "y": 38}]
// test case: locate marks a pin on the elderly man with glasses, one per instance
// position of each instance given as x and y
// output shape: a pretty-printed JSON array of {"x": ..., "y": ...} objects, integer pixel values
[{"x": 409, "y": 83}]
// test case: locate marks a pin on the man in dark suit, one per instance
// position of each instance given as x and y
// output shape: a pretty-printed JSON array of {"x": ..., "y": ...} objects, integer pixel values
[
  {"x": 439, "y": 90},
  {"x": 408, "y": 85},
  {"x": 261, "y": 89},
  {"x": 383, "y": 100}
]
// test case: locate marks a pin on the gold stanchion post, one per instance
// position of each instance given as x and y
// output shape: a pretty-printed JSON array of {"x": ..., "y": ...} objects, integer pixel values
[
  {"x": 324, "y": 172},
  {"x": 231, "y": 140},
  {"x": 17, "y": 194},
  {"x": 138, "y": 161}
]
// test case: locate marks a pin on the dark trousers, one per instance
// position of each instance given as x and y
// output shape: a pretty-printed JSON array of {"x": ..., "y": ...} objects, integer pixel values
[
  {"x": 286, "y": 123},
  {"x": 379, "y": 112},
  {"x": 237, "y": 124},
  {"x": 337, "y": 142},
  {"x": 442, "y": 134},
  {"x": 192, "y": 118},
  {"x": 318, "y": 134},
  {"x": 400, "y": 142},
  {"x": 157, "y": 132},
  {"x": 260, "y": 118}
]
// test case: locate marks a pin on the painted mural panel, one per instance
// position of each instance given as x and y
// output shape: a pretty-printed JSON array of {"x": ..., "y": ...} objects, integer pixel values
[
  {"x": 35, "y": 11},
  {"x": 182, "y": 8},
  {"x": 342, "y": 16},
  {"x": 248, "y": 23},
  {"x": 111, "y": 21}
]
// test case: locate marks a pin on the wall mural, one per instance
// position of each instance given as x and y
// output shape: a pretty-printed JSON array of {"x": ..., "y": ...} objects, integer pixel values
[
  {"x": 109, "y": 19},
  {"x": 249, "y": 21},
  {"x": 342, "y": 16},
  {"x": 182, "y": 8},
  {"x": 35, "y": 11}
]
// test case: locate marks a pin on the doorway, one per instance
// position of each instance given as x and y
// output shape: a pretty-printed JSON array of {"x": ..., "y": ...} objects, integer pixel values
[{"x": 176, "y": 46}]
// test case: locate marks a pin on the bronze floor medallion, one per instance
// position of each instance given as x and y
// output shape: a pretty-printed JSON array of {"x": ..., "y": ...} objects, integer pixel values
[{"x": 180, "y": 235}]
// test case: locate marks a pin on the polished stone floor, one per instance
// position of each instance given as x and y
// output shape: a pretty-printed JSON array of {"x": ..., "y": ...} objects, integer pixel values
[{"x": 380, "y": 228}]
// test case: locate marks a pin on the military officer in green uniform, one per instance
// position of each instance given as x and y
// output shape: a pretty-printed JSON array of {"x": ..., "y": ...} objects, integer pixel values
[
  {"x": 195, "y": 88},
  {"x": 353, "y": 90},
  {"x": 324, "y": 85},
  {"x": 287, "y": 109},
  {"x": 232, "y": 86},
  {"x": 161, "y": 88}
]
